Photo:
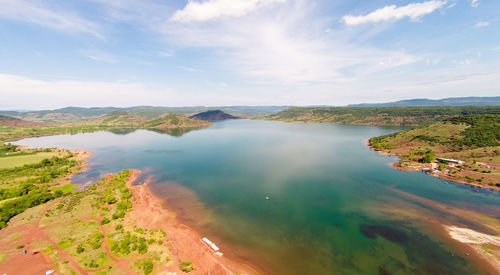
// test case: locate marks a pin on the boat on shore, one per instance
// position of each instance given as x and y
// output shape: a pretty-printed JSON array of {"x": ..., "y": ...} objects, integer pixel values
[{"x": 211, "y": 244}]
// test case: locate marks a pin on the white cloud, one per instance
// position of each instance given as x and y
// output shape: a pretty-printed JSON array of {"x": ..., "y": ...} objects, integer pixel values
[
  {"x": 282, "y": 47},
  {"x": 99, "y": 55},
  {"x": 469, "y": 60},
  {"x": 166, "y": 53},
  {"x": 35, "y": 93},
  {"x": 482, "y": 24},
  {"x": 388, "y": 13},
  {"x": 432, "y": 61},
  {"x": 451, "y": 5},
  {"x": 213, "y": 9},
  {"x": 48, "y": 16},
  {"x": 474, "y": 3},
  {"x": 189, "y": 69}
]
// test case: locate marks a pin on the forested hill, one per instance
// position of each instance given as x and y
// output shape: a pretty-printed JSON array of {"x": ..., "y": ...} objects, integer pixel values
[
  {"x": 383, "y": 116},
  {"x": 213, "y": 115},
  {"x": 452, "y": 101}
]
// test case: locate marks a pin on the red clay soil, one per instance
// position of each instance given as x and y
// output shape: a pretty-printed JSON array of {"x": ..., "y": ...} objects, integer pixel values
[
  {"x": 184, "y": 242},
  {"x": 39, "y": 263},
  {"x": 148, "y": 212},
  {"x": 17, "y": 263}
]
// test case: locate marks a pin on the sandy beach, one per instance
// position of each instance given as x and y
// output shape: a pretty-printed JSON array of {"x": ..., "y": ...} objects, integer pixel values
[{"x": 486, "y": 246}]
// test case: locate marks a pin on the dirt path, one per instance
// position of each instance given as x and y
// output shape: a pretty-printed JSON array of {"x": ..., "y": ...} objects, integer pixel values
[
  {"x": 148, "y": 212},
  {"x": 122, "y": 263},
  {"x": 40, "y": 262}
]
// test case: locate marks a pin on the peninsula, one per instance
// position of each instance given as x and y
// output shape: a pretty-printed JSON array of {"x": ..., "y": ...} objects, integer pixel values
[{"x": 463, "y": 149}]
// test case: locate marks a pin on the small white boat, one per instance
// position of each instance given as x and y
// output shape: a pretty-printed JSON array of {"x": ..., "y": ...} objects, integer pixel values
[
  {"x": 211, "y": 244},
  {"x": 267, "y": 198}
]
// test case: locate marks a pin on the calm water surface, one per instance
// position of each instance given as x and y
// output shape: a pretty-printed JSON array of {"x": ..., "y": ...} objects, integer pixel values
[{"x": 335, "y": 207}]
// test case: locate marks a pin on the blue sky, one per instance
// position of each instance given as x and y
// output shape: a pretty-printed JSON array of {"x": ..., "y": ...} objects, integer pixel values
[{"x": 245, "y": 52}]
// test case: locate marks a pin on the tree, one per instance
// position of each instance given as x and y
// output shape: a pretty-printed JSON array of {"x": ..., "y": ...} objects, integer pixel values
[{"x": 429, "y": 157}]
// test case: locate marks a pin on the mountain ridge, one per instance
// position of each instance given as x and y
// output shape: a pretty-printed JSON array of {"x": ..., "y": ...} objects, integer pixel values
[{"x": 424, "y": 102}]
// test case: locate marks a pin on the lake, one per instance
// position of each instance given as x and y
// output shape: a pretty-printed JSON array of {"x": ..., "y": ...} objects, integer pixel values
[{"x": 334, "y": 206}]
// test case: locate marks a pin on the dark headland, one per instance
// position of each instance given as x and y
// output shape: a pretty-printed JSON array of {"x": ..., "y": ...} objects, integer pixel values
[{"x": 213, "y": 115}]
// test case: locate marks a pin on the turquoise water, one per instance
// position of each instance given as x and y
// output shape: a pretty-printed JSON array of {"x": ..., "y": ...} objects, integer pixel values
[{"x": 335, "y": 207}]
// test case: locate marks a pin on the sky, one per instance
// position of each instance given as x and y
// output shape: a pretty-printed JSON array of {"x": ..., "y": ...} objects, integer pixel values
[{"x": 245, "y": 52}]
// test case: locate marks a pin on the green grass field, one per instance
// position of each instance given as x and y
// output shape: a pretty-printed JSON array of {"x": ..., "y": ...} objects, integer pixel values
[{"x": 11, "y": 162}]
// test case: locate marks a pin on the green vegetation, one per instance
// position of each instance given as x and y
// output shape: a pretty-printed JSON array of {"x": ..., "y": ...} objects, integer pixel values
[
  {"x": 146, "y": 266},
  {"x": 186, "y": 266},
  {"x": 10, "y": 133},
  {"x": 472, "y": 139},
  {"x": 483, "y": 130},
  {"x": 385, "y": 116},
  {"x": 29, "y": 184},
  {"x": 73, "y": 224},
  {"x": 3, "y": 257},
  {"x": 5, "y": 149},
  {"x": 26, "y": 158},
  {"x": 174, "y": 121}
]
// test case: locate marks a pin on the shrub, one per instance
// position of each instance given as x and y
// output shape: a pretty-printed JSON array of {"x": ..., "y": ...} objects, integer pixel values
[
  {"x": 429, "y": 157},
  {"x": 186, "y": 266},
  {"x": 142, "y": 248},
  {"x": 105, "y": 221},
  {"x": 147, "y": 266}
]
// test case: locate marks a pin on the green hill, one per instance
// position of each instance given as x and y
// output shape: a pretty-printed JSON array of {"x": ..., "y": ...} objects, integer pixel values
[
  {"x": 116, "y": 118},
  {"x": 473, "y": 139},
  {"x": 451, "y": 101},
  {"x": 174, "y": 121},
  {"x": 383, "y": 116}
]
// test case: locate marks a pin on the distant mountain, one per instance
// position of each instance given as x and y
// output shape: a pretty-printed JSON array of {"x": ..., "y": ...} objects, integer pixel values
[
  {"x": 116, "y": 118},
  {"x": 382, "y": 116},
  {"x": 213, "y": 115},
  {"x": 148, "y": 112},
  {"x": 15, "y": 122},
  {"x": 452, "y": 101}
]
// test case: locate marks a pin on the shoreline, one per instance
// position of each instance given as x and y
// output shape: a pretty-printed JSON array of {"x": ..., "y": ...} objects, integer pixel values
[
  {"x": 440, "y": 176},
  {"x": 191, "y": 212},
  {"x": 476, "y": 242},
  {"x": 150, "y": 211},
  {"x": 465, "y": 239}
]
